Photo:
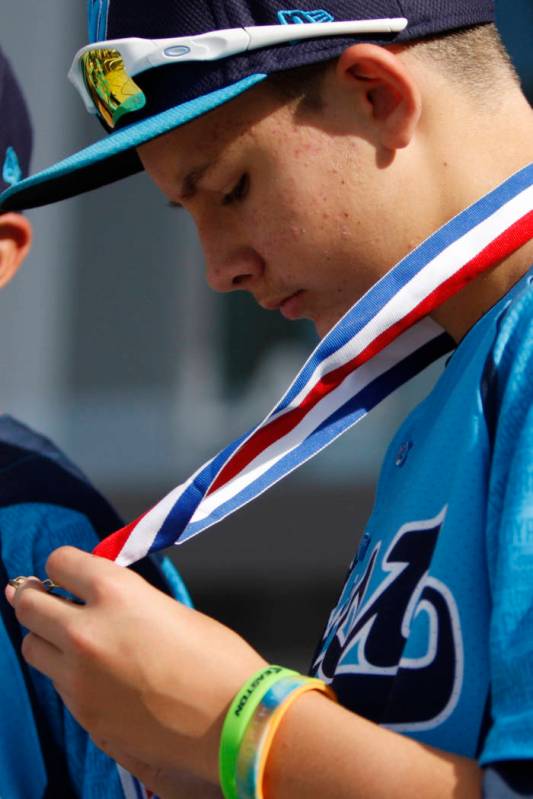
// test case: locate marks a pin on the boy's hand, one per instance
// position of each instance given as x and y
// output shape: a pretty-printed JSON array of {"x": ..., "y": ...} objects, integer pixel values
[{"x": 139, "y": 671}]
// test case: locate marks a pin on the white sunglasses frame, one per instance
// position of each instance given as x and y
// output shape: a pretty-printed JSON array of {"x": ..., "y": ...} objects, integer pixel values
[{"x": 140, "y": 55}]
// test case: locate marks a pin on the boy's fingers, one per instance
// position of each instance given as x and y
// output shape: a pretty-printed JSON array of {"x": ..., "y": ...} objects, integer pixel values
[
  {"x": 78, "y": 572},
  {"x": 17, "y": 583},
  {"x": 43, "y": 656},
  {"x": 42, "y": 613},
  {"x": 10, "y": 594}
]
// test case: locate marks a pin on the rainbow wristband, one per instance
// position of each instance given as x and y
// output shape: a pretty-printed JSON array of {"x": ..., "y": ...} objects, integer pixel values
[
  {"x": 239, "y": 715},
  {"x": 262, "y": 728},
  {"x": 250, "y": 726}
]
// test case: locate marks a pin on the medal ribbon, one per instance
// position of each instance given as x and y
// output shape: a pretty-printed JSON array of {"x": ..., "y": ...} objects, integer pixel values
[{"x": 383, "y": 341}]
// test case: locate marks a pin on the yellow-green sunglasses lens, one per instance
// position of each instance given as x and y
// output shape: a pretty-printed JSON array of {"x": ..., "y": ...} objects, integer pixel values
[{"x": 112, "y": 90}]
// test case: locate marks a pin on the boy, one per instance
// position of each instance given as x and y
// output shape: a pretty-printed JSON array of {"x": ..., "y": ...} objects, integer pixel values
[{"x": 322, "y": 164}]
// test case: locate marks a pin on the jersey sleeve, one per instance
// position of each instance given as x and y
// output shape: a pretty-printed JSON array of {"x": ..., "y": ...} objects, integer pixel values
[{"x": 510, "y": 537}]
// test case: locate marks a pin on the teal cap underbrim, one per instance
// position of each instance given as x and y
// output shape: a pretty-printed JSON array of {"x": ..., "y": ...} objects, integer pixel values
[{"x": 114, "y": 157}]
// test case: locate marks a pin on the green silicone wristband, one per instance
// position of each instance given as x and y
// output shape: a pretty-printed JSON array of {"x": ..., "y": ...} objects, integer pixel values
[{"x": 238, "y": 717}]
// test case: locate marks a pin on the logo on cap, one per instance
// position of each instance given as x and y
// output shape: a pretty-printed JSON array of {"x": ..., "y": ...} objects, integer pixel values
[
  {"x": 303, "y": 17},
  {"x": 11, "y": 171}
]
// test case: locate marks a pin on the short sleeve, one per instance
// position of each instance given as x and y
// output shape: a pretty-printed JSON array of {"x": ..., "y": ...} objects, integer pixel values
[{"x": 510, "y": 537}]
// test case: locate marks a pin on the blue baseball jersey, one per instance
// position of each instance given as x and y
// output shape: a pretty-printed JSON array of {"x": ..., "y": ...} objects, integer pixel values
[{"x": 433, "y": 633}]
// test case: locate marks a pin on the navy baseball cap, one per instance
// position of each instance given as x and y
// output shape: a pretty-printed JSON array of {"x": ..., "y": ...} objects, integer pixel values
[
  {"x": 177, "y": 93},
  {"x": 15, "y": 129}
]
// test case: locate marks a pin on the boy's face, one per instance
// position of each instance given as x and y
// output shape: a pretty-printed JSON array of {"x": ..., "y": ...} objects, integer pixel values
[{"x": 290, "y": 204}]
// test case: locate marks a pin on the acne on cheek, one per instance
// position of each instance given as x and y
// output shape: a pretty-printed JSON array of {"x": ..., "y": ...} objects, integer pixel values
[
  {"x": 306, "y": 149},
  {"x": 280, "y": 241},
  {"x": 296, "y": 232}
]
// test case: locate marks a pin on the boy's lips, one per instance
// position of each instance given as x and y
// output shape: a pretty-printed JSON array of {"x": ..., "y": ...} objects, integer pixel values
[{"x": 289, "y": 307}]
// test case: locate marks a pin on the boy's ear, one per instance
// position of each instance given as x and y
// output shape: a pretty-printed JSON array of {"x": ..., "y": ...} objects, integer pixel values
[
  {"x": 15, "y": 243},
  {"x": 390, "y": 95}
]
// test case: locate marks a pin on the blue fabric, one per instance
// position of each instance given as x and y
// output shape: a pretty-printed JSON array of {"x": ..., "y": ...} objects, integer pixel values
[
  {"x": 435, "y": 622},
  {"x": 28, "y": 533},
  {"x": 97, "y": 12},
  {"x": 12, "y": 170},
  {"x": 510, "y": 540},
  {"x": 16, "y": 135},
  {"x": 31, "y": 467},
  {"x": 511, "y": 780},
  {"x": 176, "y": 18},
  {"x": 19, "y": 742}
]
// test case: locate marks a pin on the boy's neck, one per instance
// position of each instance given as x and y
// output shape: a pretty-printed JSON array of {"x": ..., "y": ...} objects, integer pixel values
[
  {"x": 493, "y": 153},
  {"x": 460, "y": 313}
]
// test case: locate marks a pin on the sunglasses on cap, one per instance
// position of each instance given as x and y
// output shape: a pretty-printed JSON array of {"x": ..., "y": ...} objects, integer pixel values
[{"x": 103, "y": 73}]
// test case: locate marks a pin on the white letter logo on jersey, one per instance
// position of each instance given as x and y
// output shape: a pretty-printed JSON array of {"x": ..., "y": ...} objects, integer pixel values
[{"x": 393, "y": 646}]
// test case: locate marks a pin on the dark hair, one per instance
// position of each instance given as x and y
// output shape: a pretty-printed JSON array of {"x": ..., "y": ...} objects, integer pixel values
[{"x": 475, "y": 58}]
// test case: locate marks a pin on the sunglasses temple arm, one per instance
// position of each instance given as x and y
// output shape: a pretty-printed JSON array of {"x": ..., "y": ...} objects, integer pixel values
[
  {"x": 205, "y": 47},
  {"x": 224, "y": 43},
  {"x": 266, "y": 35}
]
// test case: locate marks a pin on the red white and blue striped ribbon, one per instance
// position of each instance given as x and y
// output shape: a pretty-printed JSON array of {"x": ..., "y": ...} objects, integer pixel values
[{"x": 383, "y": 341}]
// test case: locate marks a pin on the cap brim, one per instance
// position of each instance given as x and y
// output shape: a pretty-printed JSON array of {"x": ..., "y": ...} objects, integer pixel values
[{"x": 115, "y": 156}]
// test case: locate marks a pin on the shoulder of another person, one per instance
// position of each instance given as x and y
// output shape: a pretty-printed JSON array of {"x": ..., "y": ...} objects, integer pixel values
[{"x": 29, "y": 531}]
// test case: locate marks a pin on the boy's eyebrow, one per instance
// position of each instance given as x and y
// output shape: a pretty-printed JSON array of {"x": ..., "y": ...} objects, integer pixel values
[{"x": 190, "y": 181}]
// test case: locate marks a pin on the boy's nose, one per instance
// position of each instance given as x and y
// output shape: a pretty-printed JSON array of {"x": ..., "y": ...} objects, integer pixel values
[{"x": 239, "y": 270}]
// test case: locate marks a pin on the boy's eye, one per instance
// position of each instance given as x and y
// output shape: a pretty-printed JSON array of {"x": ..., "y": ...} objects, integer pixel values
[{"x": 239, "y": 192}]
